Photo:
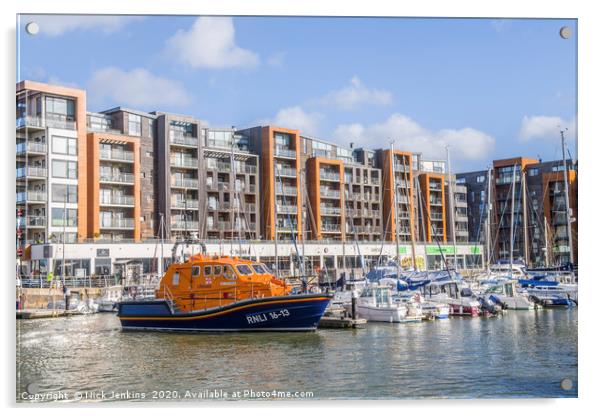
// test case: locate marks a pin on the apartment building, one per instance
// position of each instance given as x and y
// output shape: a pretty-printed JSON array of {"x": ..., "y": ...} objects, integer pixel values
[
  {"x": 113, "y": 190},
  {"x": 327, "y": 198},
  {"x": 539, "y": 220},
  {"x": 141, "y": 125},
  {"x": 279, "y": 150},
  {"x": 433, "y": 212},
  {"x": 229, "y": 178},
  {"x": 398, "y": 194},
  {"x": 50, "y": 163}
]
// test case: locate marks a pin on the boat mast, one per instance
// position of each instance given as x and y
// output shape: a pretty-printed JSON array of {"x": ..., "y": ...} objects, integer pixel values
[
  {"x": 161, "y": 237},
  {"x": 488, "y": 228},
  {"x": 512, "y": 190},
  {"x": 396, "y": 219},
  {"x": 423, "y": 222},
  {"x": 545, "y": 236},
  {"x": 568, "y": 210},
  {"x": 276, "y": 222},
  {"x": 452, "y": 213},
  {"x": 525, "y": 222}
]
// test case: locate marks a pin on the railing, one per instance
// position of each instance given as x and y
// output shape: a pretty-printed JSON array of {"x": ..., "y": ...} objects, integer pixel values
[
  {"x": 331, "y": 227},
  {"x": 435, "y": 201},
  {"x": 187, "y": 204},
  {"x": 280, "y": 151},
  {"x": 117, "y": 177},
  {"x": 125, "y": 200},
  {"x": 185, "y": 225},
  {"x": 31, "y": 121},
  {"x": 126, "y": 223},
  {"x": 330, "y": 176},
  {"x": 436, "y": 216},
  {"x": 286, "y": 190},
  {"x": 32, "y": 171},
  {"x": 185, "y": 163},
  {"x": 289, "y": 172},
  {"x": 33, "y": 147},
  {"x": 246, "y": 169},
  {"x": 31, "y": 196},
  {"x": 330, "y": 210},
  {"x": 329, "y": 193},
  {"x": 167, "y": 295},
  {"x": 179, "y": 138},
  {"x": 252, "y": 188},
  {"x": 286, "y": 209},
  {"x": 36, "y": 221},
  {"x": 223, "y": 186},
  {"x": 114, "y": 154},
  {"x": 185, "y": 182},
  {"x": 70, "y": 281}
]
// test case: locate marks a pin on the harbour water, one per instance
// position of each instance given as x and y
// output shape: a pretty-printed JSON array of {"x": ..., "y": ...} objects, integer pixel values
[{"x": 89, "y": 358}]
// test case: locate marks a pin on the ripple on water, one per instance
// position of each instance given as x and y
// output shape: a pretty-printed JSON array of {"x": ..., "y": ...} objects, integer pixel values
[{"x": 523, "y": 354}]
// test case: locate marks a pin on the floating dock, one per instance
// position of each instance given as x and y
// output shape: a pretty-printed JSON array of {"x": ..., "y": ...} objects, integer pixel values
[{"x": 44, "y": 313}]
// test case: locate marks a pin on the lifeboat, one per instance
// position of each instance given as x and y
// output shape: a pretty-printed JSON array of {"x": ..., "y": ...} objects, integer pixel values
[{"x": 223, "y": 294}]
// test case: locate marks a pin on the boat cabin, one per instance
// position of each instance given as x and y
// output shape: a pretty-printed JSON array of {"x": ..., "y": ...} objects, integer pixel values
[
  {"x": 379, "y": 296},
  {"x": 205, "y": 282}
]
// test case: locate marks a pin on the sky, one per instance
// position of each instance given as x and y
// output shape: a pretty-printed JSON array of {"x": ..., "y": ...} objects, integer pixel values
[{"x": 487, "y": 88}]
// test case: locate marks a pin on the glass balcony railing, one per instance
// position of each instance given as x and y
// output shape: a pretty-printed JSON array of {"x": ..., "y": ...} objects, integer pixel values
[
  {"x": 123, "y": 200},
  {"x": 117, "y": 177},
  {"x": 123, "y": 223},
  {"x": 185, "y": 204},
  {"x": 185, "y": 183},
  {"x": 117, "y": 154},
  {"x": 185, "y": 225},
  {"x": 284, "y": 152},
  {"x": 185, "y": 162}
]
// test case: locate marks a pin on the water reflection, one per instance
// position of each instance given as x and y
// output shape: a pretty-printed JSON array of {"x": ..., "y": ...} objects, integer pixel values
[{"x": 523, "y": 354}]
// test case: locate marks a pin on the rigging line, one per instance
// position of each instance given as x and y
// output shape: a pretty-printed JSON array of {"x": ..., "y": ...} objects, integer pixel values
[{"x": 499, "y": 225}]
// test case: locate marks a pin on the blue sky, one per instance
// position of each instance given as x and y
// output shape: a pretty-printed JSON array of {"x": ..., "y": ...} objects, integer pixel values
[{"x": 488, "y": 88}]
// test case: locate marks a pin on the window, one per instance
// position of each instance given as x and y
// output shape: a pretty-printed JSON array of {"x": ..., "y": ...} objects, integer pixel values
[
  {"x": 259, "y": 269},
  {"x": 61, "y": 218},
  {"x": 64, "y": 193},
  {"x": 60, "y": 109},
  {"x": 196, "y": 271},
  {"x": 64, "y": 145},
  {"x": 175, "y": 279},
  {"x": 134, "y": 123},
  {"x": 208, "y": 271},
  {"x": 217, "y": 270},
  {"x": 229, "y": 273},
  {"x": 244, "y": 269},
  {"x": 533, "y": 172},
  {"x": 64, "y": 169},
  {"x": 460, "y": 180},
  {"x": 480, "y": 178}
]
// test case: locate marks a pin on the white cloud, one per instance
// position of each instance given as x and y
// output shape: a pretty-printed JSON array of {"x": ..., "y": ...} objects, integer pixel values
[
  {"x": 296, "y": 118},
  {"x": 138, "y": 88},
  {"x": 277, "y": 59},
  {"x": 210, "y": 43},
  {"x": 56, "y": 25},
  {"x": 465, "y": 144},
  {"x": 545, "y": 127},
  {"x": 356, "y": 94}
]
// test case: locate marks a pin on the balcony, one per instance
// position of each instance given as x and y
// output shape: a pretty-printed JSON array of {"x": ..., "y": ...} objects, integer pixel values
[
  {"x": 331, "y": 228},
  {"x": 32, "y": 172},
  {"x": 31, "y": 147},
  {"x": 288, "y": 172},
  {"x": 284, "y": 152},
  {"x": 117, "y": 223},
  {"x": 36, "y": 221},
  {"x": 330, "y": 193},
  {"x": 192, "y": 163},
  {"x": 42, "y": 123},
  {"x": 118, "y": 200},
  {"x": 185, "y": 225},
  {"x": 117, "y": 155},
  {"x": 330, "y": 176},
  {"x": 219, "y": 166},
  {"x": 436, "y": 201},
  {"x": 251, "y": 169},
  {"x": 185, "y": 204},
  {"x": 286, "y": 209},
  {"x": 435, "y": 216},
  {"x": 181, "y": 139},
  {"x": 31, "y": 196},
  {"x": 286, "y": 190},
  {"x": 122, "y": 178},
  {"x": 324, "y": 210},
  {"x": 185, "y": 183},
  {"x": 401, "y": 168}
]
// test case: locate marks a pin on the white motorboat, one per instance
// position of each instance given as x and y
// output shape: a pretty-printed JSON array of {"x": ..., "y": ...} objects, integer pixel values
[
  {"x": 460, "y": 299},
  {"x": 110, "y": 297},
  {"x": 376, "y": 304},
  {"x": 507, "y": 295}
]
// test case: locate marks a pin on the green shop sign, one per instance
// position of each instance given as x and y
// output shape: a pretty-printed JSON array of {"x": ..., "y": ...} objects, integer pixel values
[
  {"x": 475, "y": 250},
  {"x": 403, "y": 250},
  {"x": 440, "y": 250}
]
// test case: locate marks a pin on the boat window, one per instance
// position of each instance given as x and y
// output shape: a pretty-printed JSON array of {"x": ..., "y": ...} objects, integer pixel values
[
  {"x": 208, "y": 271},
  {"x": 217, "y": 270},
  {"x": 259, "y": 269},
  {"x": 175, "y": 279},
  {"x": 229, "y": 273},
  {"x": 244, "y": 269},
  {"x": 196, "y": 271}
]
